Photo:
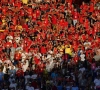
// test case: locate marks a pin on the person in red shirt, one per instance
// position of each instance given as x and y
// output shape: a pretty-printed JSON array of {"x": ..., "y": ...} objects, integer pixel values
[
  {"x": 76, "y": 58},
  {"x": 4, "y": 10},
  {"x": 22, "y": 12},
  {"x": 38, "y": 13},
  {"x": 17, "y": 57},
  {"x": 43, "y": 50},
  {"x": 30, "y": 11},
  {"x": 54, "y": 19},
  {"x": 19, "y": 74},
  {"x": 75, "y": 16},
  {"x": 91, "y": 8}
]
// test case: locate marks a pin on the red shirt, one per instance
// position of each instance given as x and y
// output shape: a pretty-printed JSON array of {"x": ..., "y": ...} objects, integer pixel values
[
  {"x": 54, "y": 20},
  {"x": 8, "y": 44},
  {"x": 43, "y": 35},
  {"x": 46, "y": 22},
  {"x": 34, "y": 16},
  {"x": 61, "y": 22},
  {"x": 65, "y": 24},
  {"x": 81, "y": 19},
  {"x": 43, "y": 50},
  {"x": 38, "y": 13},
  {"x": 94, "y": 44},
  {"x": 2, "y": 36},
  {"x": 37, "y": 61},
  {"x": 22, "y": 13},
  {"x": 4, "y": 10},
  {"x": 20, "y": 73},
  {"x": 86, "y": 24},
  {"x": 17, "y": 4},
  {"x": 15, "y": 45},
  {"x": 75, "y": 45},
  {"x": 75, "y": 15},
  {"x": 76, "y": 36},
  {"x": 25, "y": 26},
  {"x": 30, "y": 11},
  {"x": 91, "y": 8},
  {"x": 76, "y": 58},
  {"x": 17, "y": 56},
  {"x": 14, "y": 21},
  {"x": 46, "y": 7},
  {"x": 83, "y": 37}
]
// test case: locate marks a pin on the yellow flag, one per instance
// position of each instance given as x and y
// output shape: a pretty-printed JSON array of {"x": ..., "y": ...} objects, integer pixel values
[{"x": 25, "y": 1}]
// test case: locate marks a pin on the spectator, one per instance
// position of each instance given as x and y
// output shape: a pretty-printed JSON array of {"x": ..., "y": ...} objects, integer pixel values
[{"x": 44, "y": 42}]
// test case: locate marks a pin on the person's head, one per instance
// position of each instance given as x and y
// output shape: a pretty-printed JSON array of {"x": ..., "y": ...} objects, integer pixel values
[{"x": 83, "y": 3}]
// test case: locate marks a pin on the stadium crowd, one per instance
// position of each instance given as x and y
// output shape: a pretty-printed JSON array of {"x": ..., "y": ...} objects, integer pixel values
[{"x": 49, "y": 45}]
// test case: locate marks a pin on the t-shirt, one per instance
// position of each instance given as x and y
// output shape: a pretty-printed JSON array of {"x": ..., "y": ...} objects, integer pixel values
[
  {"x": 17, "y": 56},
  {"x": 54, "y": 20},
  {"x": 20, "y": 73},
  {"x": 82, "y": 56},
  {"x": 68, "y": 51},
  {"x": 25, "y": 1},
  {"x": 87, "y": 45}
]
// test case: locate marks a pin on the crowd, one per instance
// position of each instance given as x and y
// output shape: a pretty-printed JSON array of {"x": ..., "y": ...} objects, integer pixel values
[{"x": 49, "y": 45}]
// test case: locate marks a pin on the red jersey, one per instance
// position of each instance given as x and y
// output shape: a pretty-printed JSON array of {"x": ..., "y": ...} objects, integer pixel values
[
  {"x": 20, "y": 73},
  {"x": 17, "y": 56}
]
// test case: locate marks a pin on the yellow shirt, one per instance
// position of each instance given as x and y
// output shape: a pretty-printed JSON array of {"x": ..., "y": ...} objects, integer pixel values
[
  {"x": 19, "y": 27},
  {"x": 3, "y": 22},
  {"x": 68, "y": 51},
  {"x": 61, "y": 48},
  {"x": 25, "y": 1}
]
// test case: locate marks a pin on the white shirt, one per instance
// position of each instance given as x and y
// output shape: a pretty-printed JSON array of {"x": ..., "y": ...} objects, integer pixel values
[
  {"x": 23, "y": 55},
  {"x": 87, "y": 45},
  {"x": 10, "y": 38},
  {"x": 4, "y": 69},
  {"x": 48, "y": 56},
  {"x": 25, "y": 66},
  {"x": 17, "y": 39},
  {"x": 82, "y": 56},
  {"x": 48, "y": 68}
]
